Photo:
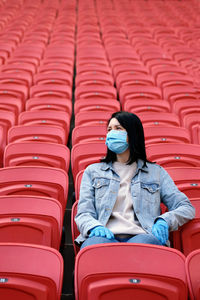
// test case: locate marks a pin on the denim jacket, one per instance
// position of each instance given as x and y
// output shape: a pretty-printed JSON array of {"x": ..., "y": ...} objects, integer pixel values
[{"x": 150, "y": 186}]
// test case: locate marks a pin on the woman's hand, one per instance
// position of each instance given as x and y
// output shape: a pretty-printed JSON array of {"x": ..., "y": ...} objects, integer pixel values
[
  {"x": 161, "y": 231},
  {"x": 102, "y": 232}
]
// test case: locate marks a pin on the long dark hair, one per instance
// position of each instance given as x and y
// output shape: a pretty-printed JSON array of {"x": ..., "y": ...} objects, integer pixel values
[{"x": 135, "y": 132}]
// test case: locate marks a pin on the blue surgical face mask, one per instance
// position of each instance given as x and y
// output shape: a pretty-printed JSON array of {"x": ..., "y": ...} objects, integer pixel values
[{"x": 116, "y": 141}]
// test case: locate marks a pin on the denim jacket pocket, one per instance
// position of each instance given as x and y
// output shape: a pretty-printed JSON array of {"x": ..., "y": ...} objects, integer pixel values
[
  {"x": 100, "y": 186},
  {"x": 150, "y": 187}
]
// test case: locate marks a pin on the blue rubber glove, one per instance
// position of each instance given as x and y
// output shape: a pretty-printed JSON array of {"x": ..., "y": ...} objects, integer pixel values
[
  {"x": 161, "y": 231},
  {"x": 101, "y": 231}
]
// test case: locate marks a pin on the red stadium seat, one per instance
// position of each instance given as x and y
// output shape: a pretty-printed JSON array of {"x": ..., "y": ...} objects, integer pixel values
[
  {"x": 174, "y": 155},
  {"x": 83, "y": 134},
  {"x": 31, "y": 220},
  {"x": 187, "y": 237},
  {"x": 49, "y": 103},
  {"x": 22, "y": 78},
  {"x": 134, "y": 80},
  {"x": 53, "y": 78},
  {"x": 146, "y": 105},
  {"x": 51, "y": 90},
  {"x": 90, "y": 91},
  {"x": 166, "y": 134},
  {"x": 161, "y": 119},
  {"x": 191, "y": 121},
  {"x": 192, "y": 272},
  {"x": 184, "y": 107},
  {"x": 90, "y": 79},
  {"x": 107, "y": 272},
  {"x": 139, "y": 92},
  {"x": 14, "y": 90},
  {"x": 35, "y": 181},
  {"x": 84, "y": 154},
  {"x": 87, "y": 118},
  {"x": 96, "y": 104},
  {"x": 74, "y": 228},
  {"x": 46, "y": 118},
  {"x": 187, "y": 180},
  {"x": 41, "y": 133},
  {"x": 37, "y": 154},
  {"x": 22, "y": 275}
]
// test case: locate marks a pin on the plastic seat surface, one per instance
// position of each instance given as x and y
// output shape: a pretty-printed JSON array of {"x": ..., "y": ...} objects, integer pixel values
[
  {"x": 84, "y": 154},
  {"x": 14, "y": 90},
  {"x": 146, "y": 105},
  {"x": 23, "y": 276},
  {"x": 139, "y": 92},
  {"x": 90, "y": 91},
  {"x": 192, "y": 122},
  {"x": 74, "y": 229},
  {"x": 187, "y": 180},
  {"x": 134, "y": 79},
  {"x": 161, "y": 119},
  {"x": 83, "y": 134},
  {"x": 96, "y": 104},
  {"x": 35, "y": 180},
  {"x": 49, "y": 103},
  {"x": 46, "y": 118},
  {"x": 89, "y": 79},
  {"x": 186, "y": 238},
  {"x": 32, "y": 220},
  {"x": 22, "y": 78},
  {"x": 107, "y": 272},
  {"x": 92, "y": 118},
  {"x": 192, "y": 272},
  {"x": 53, "y": 78},
  {"x": 91, "y": 69},
  {"x": 184, "y": 107},
  {"x": 51, "y": 134},
  {"x": 174, "y": 155},
  {"x": 37, "y": 154},
  {"x": 55, "y": 90},
  {"x": 19, "y": 67}
]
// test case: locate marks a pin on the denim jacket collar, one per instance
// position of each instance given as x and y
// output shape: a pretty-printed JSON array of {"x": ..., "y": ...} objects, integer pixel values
[{"x": 140, "y": 166}]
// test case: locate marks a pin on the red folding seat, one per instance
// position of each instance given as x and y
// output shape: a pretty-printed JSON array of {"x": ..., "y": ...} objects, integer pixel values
[
  {"x": 49, "y": 103},
  {"x": 96, "y": 104},
  {"x": 37, "y": 154},
  {"x": 49, "y": 66},
  {"x": 46, "y": 118},
  {"x": 84, "y": 154},
  {"x": 142, "y": 105},
  {"x": 6, "y": 49},
  {"x": 88, "y": 79},
  {"x": 53, "y": 78},
  {"x": 14, "y": 90},
  {"x": 21, "y": 78},
  {"x": 161, "y": 119},
  {"x": 19, "y": 67},
  {"x": 14, "y": 105},
  {"x": 87, "y": 118},
  {"x": 31, "y": 219},
  {"x": 74, "y": 228},
  {"x": 77, "y": 184},
  {"x": 185, "y": 107},
  {"x": 37, "y": 133},
  {"x": 176, "y": 93},
  {"x": 93, "y": 69},
  {"x": 191, "y": 121},
  {"x": 139, "y": 92},
  {"x": 166, "y": 134},
  {"x": 134, "y": 80},
  {"x": 107, "y": 272},
  {"x": 91, "y": 91},
  {"x": 55, "y": 90},
  {"x": 149, "y": 57},
  {"x": 3, "y": 141},
  {"x": 7, "y": 119},
  {"x": 174, "y": 155},
  {"x": 131, "y": 68},
  {"x": 164, "y": 80},
  {"x": 22, "y": 275},
  {"x": 35, "y": 181},
  {"x": 186, "y": 238},
  {"x": 167, "y": 70},
  {"x": 83, "y": 134},
  {"x": 187, "y": 179},
  {"x": 192, "y": 272}
]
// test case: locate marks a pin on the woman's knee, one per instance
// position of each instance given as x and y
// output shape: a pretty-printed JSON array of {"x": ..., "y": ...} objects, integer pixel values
[{"x": 145, "y": 238}]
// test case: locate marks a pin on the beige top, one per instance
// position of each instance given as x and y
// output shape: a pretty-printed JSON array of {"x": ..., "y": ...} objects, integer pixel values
[{"x": 123, "y": 221}]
